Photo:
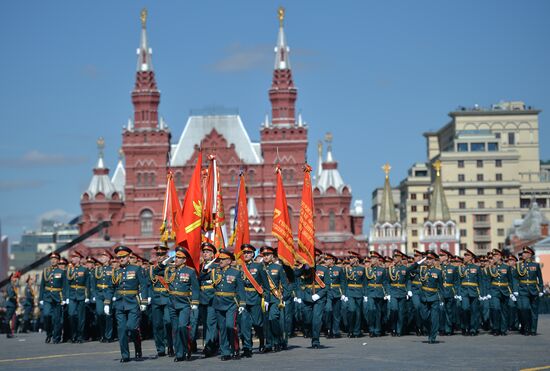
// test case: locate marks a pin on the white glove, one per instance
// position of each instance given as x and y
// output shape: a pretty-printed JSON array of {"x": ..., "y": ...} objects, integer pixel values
[
  {"x": 142, "y": 307},
  {"x": 488, "y": 297},
  {"x": 165, "y": 261},
  {"x": 441, "y": 304},
  {"x": 299, "y": 301},
  {"x": 149, "y": 300},
  {"x": 207, "y": 265},
  {"x": 113, "y": 299},
  {"x": 241, "y": 310},
  {"x": 86, "y": 300},
  {"x": 107, "y": 310},
  {"x": 409, "y": 294},
  {"x": 93, "y": 299},
  {"x": 266, "y": 305},
  {"x": 421, "y": 261},
  {"x": 315, "y": 297},
  {"x": 513, "y": 297},
  {"x": 296, "y": 300},
  {"x": 456, "y": 297},
  {"x": 63, "y": 302},
  {"x": 346, "y": 299},
  {"x": 387, "y": 297},
  {"x": 194, "y": 307},
  {"x": 365, "y": 299},
  {"x": 481, "y": 298},
  {"x": 541, "y": 294},
  {"x": 343, "y": 298},
  {"x": 459, "y": 297}
]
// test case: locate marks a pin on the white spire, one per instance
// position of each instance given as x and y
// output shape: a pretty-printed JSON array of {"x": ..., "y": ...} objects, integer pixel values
[
  {"x": 252, "y": 209},
  {"x": 119, "y": 176},
  {"x": 100, "y": 182},
  {"x": 130, "y": 125},
  {"x": 328, "y": 139},
  {"x": 100, "y": 147},
  {"x": 329, "y": 176},
  {"x": 281, "y": 50},
  {"x": 144, "y": 62}
]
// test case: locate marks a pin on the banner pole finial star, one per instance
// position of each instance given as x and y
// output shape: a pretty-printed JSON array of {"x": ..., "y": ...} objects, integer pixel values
[{"x": 386, "y": 169}]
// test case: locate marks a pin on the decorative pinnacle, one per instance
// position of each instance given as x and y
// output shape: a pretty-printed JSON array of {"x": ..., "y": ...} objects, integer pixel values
[
  {"x": 120, "y": 154},
  {"x": 143, "y": 17},
  {"x": 387, "y": 169},
  {"x": 100, "y": 146},
  {"x": 281, "y": 14},
  {"x": 437, "y": 167}
]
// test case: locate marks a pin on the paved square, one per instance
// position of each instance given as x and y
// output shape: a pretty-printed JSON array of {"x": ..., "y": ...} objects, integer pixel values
[{"x": 484, "y": 352}]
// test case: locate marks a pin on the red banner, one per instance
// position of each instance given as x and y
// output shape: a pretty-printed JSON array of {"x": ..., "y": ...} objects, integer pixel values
[
  {"x": 306, "y": 227},
  {"x": 281, "y": 224}
]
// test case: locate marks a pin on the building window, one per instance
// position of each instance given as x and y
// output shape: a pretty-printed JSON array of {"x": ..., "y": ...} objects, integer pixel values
[
  {"x": 331, "y": 221},
  {"x": 463, "y": 233},
  {"x": 479, "y": 177},
  {"x": 511, "y": 139},
  {"x": 413, "y": 208},
  {"x": 479, "y": 163},
  {"x": 460, "y": 163},
  {"x": 481, "y": 204},
  {"x": 481, "y": 218},
  {"x": 462, "y": 205},
  {"x": 414, "y": 232},
  {"x": 501, "y": 245},
  {"x": 499, "y": 177},
  {"x": 146, "y": 219},
  {"x": 477, "y": 147},
  {"x": 462, "y": 246},
  {"x": 415, "y": 245},
  {"x": 413, "y": 196},
  {"x": 497, "y": 135},
  {"x": 498, "y": 163},
  {"x": 460, "y": 177},
  {"x": 425, "y": 220},
  {"x": 500, "y": 204},
  {"x": 139, "y": 179},
  {"x": 426, "y": 196},
  {"x": 492, "y": 146},
  {"x": 499, "y": 191},
  {"x": 500, "y": 218},
  {"x": 426, "y": 208},
  {"x": 462, "y": 147},
  {"x": 462, "y": 218},
  {"x": 500, "y": 232},
  {"x": 461, "y": 191},
  {"x": 480, "y": 191},
  {"x": 178, "y": 180},
  {"x": 413, "y": 220}
]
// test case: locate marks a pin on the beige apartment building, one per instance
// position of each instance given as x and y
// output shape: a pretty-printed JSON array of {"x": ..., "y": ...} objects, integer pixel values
[{"x": 491, "y": 171}]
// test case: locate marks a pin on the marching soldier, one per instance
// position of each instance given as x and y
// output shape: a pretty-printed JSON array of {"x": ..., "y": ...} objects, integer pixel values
[
  {"x": 183, "y": 287},
  {"x": 256, "y": 290},
  {"x": 78, "y": 281},
  {"x": 278, "y": 284},
  {"x": 28, "y": 303},
  {"x": 101, "y": 286},
  {"x": 315, "y": 287},
  {"x": 160, "y": 303},
  {"x": 432, "y": 285},
  {"x": 500, "y": 291},
  {"x": 53, "y": 291},
  {"x": 229, "y": 295},
  {"x": 12, "y": 301},
  {"x": 355, "y": 293},
  {"x": 335, "y": 297},
  {"x": 207, "y": 313},
  {"x": 513, "y": 318},
  {"x": 398, "y": 277},
  {"x": 484, "y": 303},
  {"x": 449, "y": 293},
  {"x": 377, "y": 292},
  {"x": 530, "y": 289},
  {"x": 471, "y": 291},
  {"x": 130, "y": 290},
  {"x": 414, "y": 293}
]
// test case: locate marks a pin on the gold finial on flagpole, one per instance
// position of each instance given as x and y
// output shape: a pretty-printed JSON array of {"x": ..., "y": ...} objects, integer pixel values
[
  {"x": 281, "y": 14},
  {"x": 143, "y": 17},
  {"x": 437, "y": 167},
  {"x": 386, "y": 169}
]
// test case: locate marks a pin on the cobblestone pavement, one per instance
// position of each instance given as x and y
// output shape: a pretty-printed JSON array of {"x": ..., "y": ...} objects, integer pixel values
[{"x": 484, "y": 352}]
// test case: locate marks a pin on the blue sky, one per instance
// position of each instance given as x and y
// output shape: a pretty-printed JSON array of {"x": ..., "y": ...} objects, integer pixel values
[{"x": 375, "y": 73}]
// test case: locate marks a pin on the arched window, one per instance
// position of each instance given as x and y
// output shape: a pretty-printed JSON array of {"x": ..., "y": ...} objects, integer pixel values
[
  {"x": 439, "y": 230},
  {"x": 231, "y": 219},
  {"x": 146, "y": 219},
  {"x": 178, "y": 180},
  {"x": 331, "y": 221},
  {"x": 152, "y": 179},
  {"x": 139, "y": 179}
]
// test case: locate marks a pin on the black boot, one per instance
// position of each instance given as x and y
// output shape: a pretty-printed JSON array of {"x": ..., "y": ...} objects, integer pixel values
[
  {"x": 171, "y": 352},
  {"x": 137, "y": 345}
]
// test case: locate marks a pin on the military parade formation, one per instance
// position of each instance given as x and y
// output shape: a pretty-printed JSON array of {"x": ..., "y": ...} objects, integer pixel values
[{"x": 226, "y": 305}]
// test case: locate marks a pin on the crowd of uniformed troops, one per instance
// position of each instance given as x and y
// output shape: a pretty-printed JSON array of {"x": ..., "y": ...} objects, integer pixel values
[{"x": 124, "y": 297}]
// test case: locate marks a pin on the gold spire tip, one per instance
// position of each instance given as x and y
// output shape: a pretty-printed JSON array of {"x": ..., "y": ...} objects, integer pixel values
[
  {"x": 143, "y": 17},
  {"x": 100, "y": 143},
  {"x": 281, "y": 14},
  {"x": 437, "y": 167},
  {"x": 386, "y": 169},
  {"x": 328, "y": 137},
  {"x": 121, "y": 153}
]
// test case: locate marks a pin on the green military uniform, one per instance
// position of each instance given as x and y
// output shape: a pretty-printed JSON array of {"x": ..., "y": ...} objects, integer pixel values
[
  {"x": 160, "y": 307},
  {"x": 335, "y": 296},
  {"x": 130, "y": 296},
  {"x": 449, "y": 296},
  {"x": 253, "y": 316},
  {"x": 11, "y": 304},
  {"x": 484, "y": 303},
  {"x": 314, "y": 296},
  {"x": 471, "y": 290},
  {"x": 78, "y": 281},
  {"x": 398, "y": 276},
  {"x": 377, "y": 288},
  {"x": 414, "y": 287},
  {"x": 229, "y": 294},
  {"x": 101, "y": 287},
  {"x": 53, "y": 291},
  {"x": 500, "y": 292},
  {"x": 432, "y": 285},
  {"x": 356, "y": 294},
  {"x": 275, "y": 319},
  {"x": 529, "y": 287},
  {"x": 28, "y": 307}
]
